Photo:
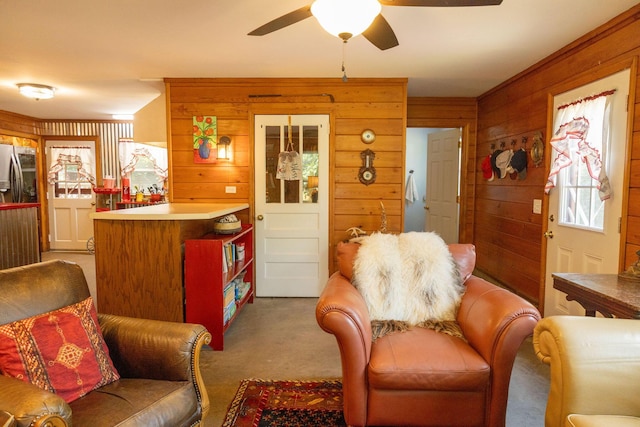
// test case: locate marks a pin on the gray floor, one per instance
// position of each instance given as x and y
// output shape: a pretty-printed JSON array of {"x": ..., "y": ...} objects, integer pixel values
[{"x": 278, "y": 339}]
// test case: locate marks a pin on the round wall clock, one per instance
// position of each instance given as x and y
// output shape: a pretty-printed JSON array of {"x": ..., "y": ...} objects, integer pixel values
[{"x": 368, "y": 136}]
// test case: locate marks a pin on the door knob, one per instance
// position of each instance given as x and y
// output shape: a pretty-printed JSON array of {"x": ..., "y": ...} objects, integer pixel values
[
  {"x": 426, "y": 208},
  {"x": 260, "y": 217},
  {"x": 548, "y": 234}
]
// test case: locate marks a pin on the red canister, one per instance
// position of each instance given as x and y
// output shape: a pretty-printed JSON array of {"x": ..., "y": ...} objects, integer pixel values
[{"x": 126, "y": 190}]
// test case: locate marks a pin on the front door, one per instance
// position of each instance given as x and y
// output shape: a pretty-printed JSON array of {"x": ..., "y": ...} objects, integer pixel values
[
  {"x": 442, "y": 207},
  {"x": 71, "y": 177},
  {"x": 291, "y": 205},
  {"x": 583, "y": 234}
]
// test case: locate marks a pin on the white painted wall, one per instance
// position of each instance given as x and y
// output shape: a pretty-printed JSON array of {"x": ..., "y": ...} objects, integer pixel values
[{"x": 416, "y": 160}]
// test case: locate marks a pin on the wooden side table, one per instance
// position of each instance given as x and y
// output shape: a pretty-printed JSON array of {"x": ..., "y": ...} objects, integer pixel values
[{"x": 605, "y": 293}]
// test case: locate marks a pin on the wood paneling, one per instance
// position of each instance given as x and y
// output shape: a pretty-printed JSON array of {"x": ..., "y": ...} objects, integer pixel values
[
  {"x": 379, "y": 104},
  {"x": 508, "y": 236}
]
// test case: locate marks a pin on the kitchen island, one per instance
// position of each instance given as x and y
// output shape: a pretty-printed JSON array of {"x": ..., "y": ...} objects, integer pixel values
[{"x": 139, "y": 255}]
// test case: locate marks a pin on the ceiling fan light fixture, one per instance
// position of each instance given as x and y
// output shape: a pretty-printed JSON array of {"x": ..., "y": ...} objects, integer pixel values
[
  {"x": 345, "y": 18},
  {"x": 36, "y": 91}
]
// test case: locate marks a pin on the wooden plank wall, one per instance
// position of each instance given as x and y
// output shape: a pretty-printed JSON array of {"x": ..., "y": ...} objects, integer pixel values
[
  {"x": 453, "y": 113},
  {"x": 508, "y": 236},
  {"x": 379, "y": 104}
]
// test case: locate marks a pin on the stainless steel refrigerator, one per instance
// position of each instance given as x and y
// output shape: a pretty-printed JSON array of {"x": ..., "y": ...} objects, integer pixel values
[{"x": 18, "y": 178}]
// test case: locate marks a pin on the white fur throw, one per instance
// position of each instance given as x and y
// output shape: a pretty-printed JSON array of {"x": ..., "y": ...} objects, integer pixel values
[{"x": 410, "y": 279}]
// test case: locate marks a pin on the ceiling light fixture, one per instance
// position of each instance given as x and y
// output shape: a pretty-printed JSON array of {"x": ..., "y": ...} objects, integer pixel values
[
  {"x": 36, "y": 91},
  {"x": 345, "y": 19}
]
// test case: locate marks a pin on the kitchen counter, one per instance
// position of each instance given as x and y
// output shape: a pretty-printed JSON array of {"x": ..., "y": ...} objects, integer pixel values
[
  {"x": 172, "y": 211},
  {"x": 139, "y": 255},
  {"x": 11, "y": 206}
]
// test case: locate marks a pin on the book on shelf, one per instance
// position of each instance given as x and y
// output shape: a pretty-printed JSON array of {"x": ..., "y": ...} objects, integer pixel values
[{"x": 225, "y": 266}]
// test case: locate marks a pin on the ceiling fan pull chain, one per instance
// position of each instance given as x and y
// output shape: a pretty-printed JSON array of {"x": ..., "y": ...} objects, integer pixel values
[{"x": 344, "y": 70}]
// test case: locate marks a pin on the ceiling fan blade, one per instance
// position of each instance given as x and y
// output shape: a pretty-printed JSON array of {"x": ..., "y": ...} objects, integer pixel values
[
  {"x": 440, "y": 3},
  {"x": 380, "y": 34},
  {"x": 283, "y": 21}
]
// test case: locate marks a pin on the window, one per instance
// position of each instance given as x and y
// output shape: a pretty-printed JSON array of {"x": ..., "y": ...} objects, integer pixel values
[
  {"x": 580, "y": 204},
  {"x": 144, "y": 175}
]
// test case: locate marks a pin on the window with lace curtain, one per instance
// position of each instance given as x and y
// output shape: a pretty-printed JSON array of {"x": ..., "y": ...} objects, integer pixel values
[{"x": 144, "y": 165}]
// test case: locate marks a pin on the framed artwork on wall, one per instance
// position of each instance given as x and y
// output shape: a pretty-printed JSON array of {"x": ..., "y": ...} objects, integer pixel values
[{"x": 205, "y": 137}]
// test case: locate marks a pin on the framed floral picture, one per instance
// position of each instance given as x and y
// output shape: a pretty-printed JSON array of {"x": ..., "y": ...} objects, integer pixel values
[{"x": 205, "y": 137}]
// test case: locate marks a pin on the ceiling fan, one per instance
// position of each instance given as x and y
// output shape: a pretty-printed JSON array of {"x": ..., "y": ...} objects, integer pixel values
[{"x": 376, "y": 29}]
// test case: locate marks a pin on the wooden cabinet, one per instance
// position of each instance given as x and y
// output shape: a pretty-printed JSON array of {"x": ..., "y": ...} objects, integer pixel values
[{"x": 218, "y": 280}]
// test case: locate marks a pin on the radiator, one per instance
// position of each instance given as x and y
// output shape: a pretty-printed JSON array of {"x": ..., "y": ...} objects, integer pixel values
[{"x": 19, "y": 241}]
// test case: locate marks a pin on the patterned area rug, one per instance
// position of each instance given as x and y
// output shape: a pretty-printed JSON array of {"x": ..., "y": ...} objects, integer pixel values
[{"x": 265, "y": 403}]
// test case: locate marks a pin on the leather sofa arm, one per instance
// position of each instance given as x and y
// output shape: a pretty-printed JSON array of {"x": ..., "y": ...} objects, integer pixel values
[
  {"x": 495, "y": 322},
  {"x": 342, "y": 311},
  {"x": 31, "y": 406},
  {"x": 155, "y": 349},
  {"x": 595, "y": 365}
]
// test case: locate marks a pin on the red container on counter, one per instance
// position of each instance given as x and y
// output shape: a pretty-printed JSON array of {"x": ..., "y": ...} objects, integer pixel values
[{"x": 126, "y": 190}]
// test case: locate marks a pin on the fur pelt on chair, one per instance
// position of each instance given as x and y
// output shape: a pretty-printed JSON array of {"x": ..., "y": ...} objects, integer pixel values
[{"x": 408, "y": 280}]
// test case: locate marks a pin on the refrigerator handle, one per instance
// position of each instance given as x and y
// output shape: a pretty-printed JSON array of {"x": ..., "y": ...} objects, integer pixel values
[{"x": 16, "y": 179}]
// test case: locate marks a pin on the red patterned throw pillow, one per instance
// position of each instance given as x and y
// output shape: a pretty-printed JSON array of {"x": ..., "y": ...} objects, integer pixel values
[{"x": 61, "y": 351}]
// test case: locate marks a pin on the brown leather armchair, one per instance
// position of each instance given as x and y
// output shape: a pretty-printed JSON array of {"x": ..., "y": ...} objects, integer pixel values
[
  {"x": 422, "y": 377},
  {"x": 160, "y": 382},
  {"x": 595, "y": 370}
]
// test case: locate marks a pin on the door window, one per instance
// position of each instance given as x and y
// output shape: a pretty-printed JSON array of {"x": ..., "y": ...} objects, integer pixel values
[
  {"x": 580, "y": 204},
  {"x": 71, "y": 172},
  {"x": 305, "y": 189}
]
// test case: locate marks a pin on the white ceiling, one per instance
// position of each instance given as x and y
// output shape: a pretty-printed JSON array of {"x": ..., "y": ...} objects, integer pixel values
[{"x": 109, "y": 56}]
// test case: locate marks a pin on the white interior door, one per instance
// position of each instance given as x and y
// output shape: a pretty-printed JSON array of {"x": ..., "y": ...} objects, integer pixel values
[
  {"x": 291, "y": 226},
  {"x": 576, "y": 248},
  {"x": 443, "y": 169},
  {"x": 71, "y": 176}
]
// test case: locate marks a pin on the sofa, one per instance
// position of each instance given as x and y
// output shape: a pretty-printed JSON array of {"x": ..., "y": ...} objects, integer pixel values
[
  {"x": 595, "y": 370},
  {"x": 421, "y": 377},
  {"x": 158, "y": 380}
]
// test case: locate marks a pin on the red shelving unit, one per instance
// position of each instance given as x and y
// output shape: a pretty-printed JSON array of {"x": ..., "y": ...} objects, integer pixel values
[{"x": 206, "y": 279}]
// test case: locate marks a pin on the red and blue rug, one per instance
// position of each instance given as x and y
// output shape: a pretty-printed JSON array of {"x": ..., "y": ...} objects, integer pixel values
[{"x": 266, "y": 403}]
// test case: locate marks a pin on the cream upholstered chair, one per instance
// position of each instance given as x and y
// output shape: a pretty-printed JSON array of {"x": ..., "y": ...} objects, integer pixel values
[{"x": 595, "y": 370}]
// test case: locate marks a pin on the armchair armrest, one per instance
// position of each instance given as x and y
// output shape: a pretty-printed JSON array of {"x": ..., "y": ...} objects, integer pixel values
[
  {"x": 496, "y": 321},
  {"x": 342, "y": 311},
  {"x": 595, "y": 365},
  {"x": 154, "y": 349},
  {"x": 32, "y": 406}
]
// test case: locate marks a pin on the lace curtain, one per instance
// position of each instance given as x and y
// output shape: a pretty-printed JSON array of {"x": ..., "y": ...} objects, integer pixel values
[
  {"x": 130, "y": 153},
  {"x": 582, "y": 134},
  {"x": 80, "y": 157}
]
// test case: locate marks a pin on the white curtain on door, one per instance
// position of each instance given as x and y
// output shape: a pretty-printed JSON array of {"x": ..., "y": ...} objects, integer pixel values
[
  {"x": 581, "y": 133},
  {"x": 79, "y": 156}
]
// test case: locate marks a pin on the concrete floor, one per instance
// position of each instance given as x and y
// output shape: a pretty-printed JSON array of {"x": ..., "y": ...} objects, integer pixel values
[{"x": 279, "y": 339}]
